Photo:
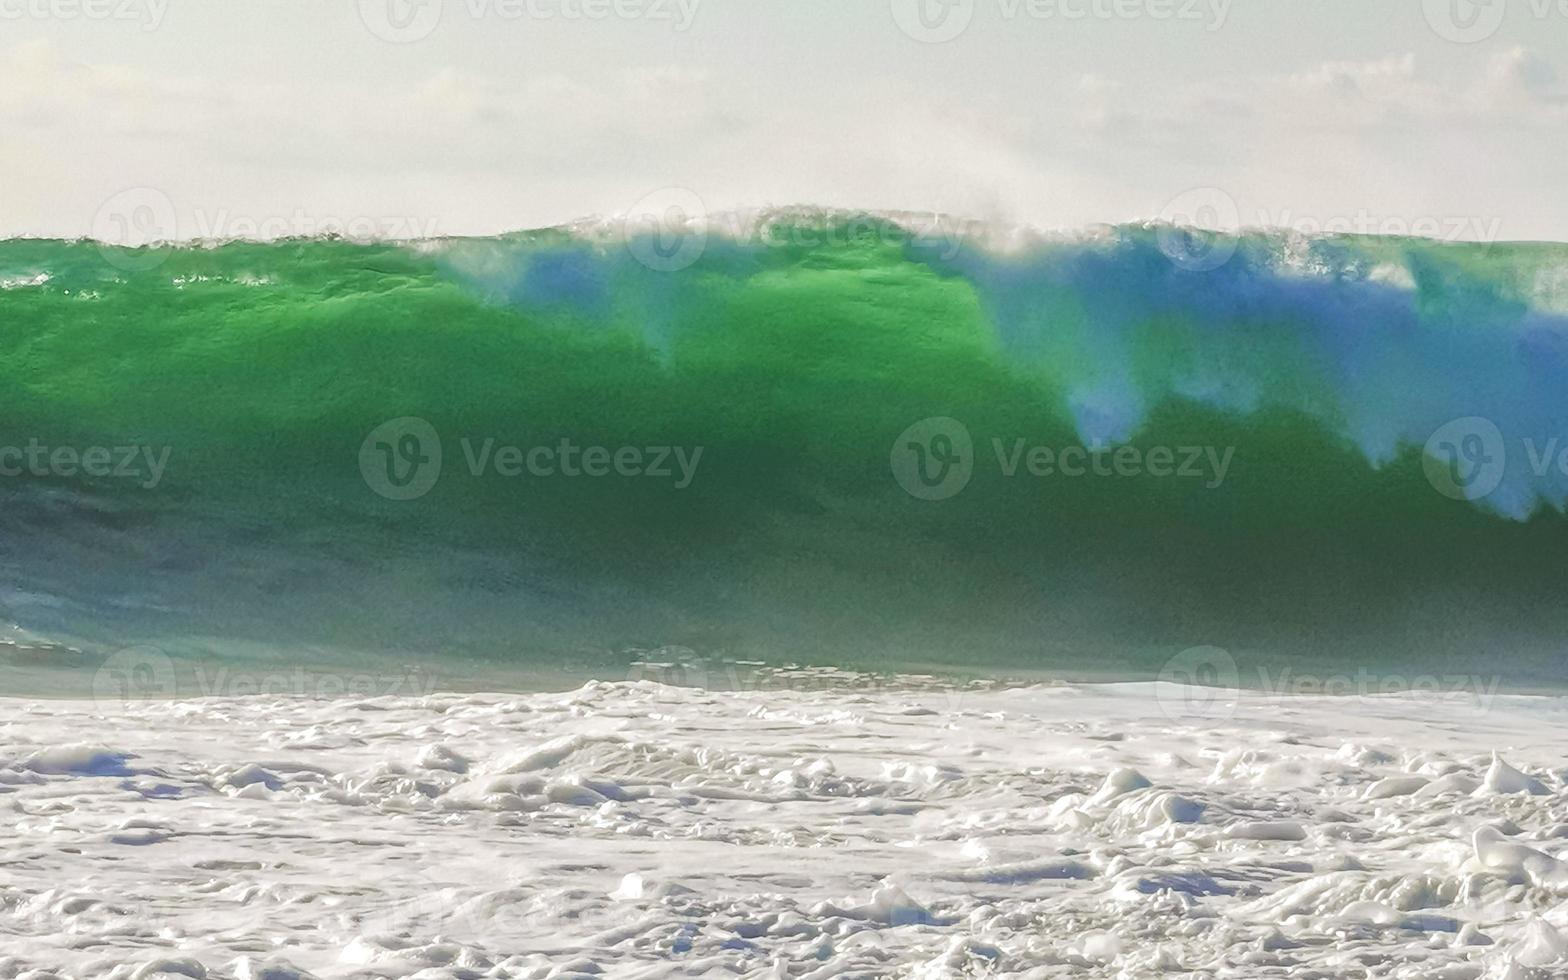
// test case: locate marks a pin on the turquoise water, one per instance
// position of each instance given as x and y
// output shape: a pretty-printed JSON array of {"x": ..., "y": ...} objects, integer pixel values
[{"x": 1276, "y": 493}]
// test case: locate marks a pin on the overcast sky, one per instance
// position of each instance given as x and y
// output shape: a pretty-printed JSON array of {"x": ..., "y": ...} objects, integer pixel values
[{"x": 476, "y": 116}]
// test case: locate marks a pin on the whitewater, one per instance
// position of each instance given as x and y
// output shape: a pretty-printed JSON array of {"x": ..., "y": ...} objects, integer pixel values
[{"x": 823, "y": 825}]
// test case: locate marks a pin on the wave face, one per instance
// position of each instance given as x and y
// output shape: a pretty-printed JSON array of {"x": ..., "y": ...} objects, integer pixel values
[{"x": 808, "y": 435}]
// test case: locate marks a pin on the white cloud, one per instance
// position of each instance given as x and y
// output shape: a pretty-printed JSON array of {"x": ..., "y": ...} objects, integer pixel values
[{"x": 482, "y": 152}]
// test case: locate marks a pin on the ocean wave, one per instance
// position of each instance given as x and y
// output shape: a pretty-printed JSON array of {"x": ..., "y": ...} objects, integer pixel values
[{"x": 192, "y": 436}]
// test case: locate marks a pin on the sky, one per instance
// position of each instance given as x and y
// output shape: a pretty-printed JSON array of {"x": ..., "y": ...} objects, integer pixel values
[{"x": 202, "y": 119}]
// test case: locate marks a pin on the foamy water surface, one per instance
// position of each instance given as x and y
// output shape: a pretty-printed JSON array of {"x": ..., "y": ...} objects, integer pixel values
[{"x": 642, "y": 830}]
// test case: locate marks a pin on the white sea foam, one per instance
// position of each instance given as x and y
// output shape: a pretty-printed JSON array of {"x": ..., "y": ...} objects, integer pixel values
[
  {"x": 640, "y": 830},
  {"x": 24, "y": 282}
]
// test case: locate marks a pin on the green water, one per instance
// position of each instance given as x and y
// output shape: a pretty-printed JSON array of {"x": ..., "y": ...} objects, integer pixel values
[{"x": 788, "y": 374}]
